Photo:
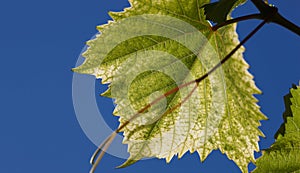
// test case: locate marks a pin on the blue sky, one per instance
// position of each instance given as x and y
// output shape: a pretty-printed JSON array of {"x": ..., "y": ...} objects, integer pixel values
[{"x": 40, "y": 42}]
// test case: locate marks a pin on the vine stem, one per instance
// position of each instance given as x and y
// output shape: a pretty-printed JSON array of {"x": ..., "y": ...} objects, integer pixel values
[
  {"x": 238, "y": 19},
  {"x": 104, "y": 146},
  {"x": 267, "y": 12},
  {"x": 271, "y": 14}
]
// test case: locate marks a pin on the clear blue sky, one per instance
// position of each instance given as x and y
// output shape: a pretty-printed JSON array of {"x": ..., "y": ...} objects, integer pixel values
[{"x": 39, "y": 44}]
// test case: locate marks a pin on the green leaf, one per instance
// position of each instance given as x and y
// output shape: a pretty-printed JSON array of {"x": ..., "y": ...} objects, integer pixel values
[
  {"x": 218, "y": 11},
  {"x": 144, "y": 56},
  {"x": 284, "y": 155}
]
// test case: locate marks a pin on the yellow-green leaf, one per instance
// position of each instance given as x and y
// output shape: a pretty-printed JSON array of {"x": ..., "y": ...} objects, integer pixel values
[
  {"x": 155, "y": 46},
  {"x": 284, "y": 155}
]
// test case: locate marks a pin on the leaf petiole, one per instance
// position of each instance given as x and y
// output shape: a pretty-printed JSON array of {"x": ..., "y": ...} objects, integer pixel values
[
  {"x": 267, "y": 12},
  {"x": 235, "y": 20},
  {"x": 271, "y": 14}
]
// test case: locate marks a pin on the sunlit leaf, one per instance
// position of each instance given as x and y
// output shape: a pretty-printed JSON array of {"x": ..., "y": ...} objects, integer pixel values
[
  {"x": 155, "y": 46},
  {"x": 284, "y": 155}
]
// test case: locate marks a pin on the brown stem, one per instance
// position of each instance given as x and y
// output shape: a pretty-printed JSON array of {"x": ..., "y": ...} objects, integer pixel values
[
  {"x": 272, "y": 15},
  {"x": 235, "y": 20},
  {"x": 280, "y": 20},
  {"x": 267, "y": 12},
  {"x": 103, "y": 148}
]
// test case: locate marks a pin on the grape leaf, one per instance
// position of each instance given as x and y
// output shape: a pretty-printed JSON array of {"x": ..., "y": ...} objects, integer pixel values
[
  {"x": 218, "y": 11},
  {"x": 284, "y": 155},
  {"x": 221, "y": 112}
]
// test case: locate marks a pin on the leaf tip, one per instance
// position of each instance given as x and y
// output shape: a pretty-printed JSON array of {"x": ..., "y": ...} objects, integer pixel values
[
  {"x": 74, "y": 70},
  {"x": 127, "y": 163}
]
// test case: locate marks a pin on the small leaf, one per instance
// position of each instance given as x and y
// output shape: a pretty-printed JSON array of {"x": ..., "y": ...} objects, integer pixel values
[
  {"x": 218, "y": 11},
  {"x": 284, "y": 155}
]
